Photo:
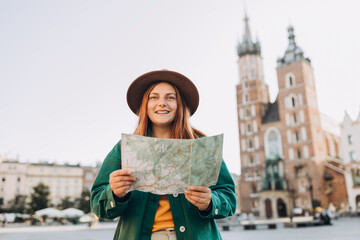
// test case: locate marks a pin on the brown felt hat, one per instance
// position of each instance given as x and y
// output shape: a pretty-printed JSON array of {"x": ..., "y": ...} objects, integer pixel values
[{"x": 186, "y": 87}]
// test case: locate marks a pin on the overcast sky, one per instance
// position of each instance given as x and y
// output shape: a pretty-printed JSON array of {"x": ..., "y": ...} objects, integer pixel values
[{"x": 65, "y": 66}]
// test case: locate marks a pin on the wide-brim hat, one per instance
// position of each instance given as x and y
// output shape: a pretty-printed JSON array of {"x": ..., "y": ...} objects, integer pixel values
[{"x": 186, "y": 87}]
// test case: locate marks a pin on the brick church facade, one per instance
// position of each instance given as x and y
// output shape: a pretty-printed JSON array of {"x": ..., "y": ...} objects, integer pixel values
[{"x": 288, "y": 157}]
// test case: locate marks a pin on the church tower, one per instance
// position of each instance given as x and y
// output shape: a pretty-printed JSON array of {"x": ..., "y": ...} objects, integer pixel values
[
  {"x": 286, "y": 157},
  {"x": 252, "y": 102},
  {"x": 304, "y": 146}
]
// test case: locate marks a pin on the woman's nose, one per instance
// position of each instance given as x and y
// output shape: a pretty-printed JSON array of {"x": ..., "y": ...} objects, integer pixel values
[{"x": 162, "y": 102}]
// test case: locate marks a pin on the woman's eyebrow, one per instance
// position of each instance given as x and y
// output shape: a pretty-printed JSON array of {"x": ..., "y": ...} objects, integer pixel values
[{"x": 165, "y": 93}]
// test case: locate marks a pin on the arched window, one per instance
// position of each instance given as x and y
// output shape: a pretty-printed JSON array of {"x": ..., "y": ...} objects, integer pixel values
[
  {"x": 249, "y": 127},
  {"x": 293, "y": 101},
  {"x": 250, "y": 143},
  {"x": 297, "y": 136},
  {"x": 295, "y": 118},
  {"x": 298, "y": 153},
  {"x": 289, "y": 80},
  {"x": 273, "y": 143}
]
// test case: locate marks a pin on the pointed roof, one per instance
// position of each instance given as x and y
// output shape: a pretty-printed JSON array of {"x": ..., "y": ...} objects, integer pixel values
[
  {"x": 271, "y": 114},
  {"x": 293, "y": 52},
  {"x": 247, "y": 46},
  {"x": 247, "y": 34},
  {"x": 347, "y": 119}
]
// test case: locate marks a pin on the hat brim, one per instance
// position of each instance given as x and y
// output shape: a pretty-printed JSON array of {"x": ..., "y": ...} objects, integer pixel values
[{"x": 186, "y": 87}]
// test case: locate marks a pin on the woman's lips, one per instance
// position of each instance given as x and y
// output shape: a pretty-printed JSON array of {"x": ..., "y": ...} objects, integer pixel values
[{"x": 162, "y": 112}]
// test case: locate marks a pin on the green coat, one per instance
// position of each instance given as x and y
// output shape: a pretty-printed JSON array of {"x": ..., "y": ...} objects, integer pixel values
[{"x": 138, "y": 209}]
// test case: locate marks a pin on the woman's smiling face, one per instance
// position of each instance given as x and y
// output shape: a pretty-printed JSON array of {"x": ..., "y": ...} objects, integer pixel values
[{"x": 162, "y": 105}]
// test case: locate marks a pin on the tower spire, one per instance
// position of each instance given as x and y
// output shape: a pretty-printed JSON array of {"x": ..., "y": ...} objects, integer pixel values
[
  {"x": 293, "y": 52},
  {"x": 247, "y": 35},
  {"x": 291, "y": 37},
  {"x": 247, "y": 46}
]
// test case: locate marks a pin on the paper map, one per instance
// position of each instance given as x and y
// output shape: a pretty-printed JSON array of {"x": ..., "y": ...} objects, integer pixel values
[{"x": 168, "y": 166}]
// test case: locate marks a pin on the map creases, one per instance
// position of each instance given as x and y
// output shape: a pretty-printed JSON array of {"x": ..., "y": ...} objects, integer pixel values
[{"x": 168, "y": 166}]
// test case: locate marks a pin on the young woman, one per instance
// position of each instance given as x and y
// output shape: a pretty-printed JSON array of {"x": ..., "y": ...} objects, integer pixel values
[{"x": 164, "y": 101}]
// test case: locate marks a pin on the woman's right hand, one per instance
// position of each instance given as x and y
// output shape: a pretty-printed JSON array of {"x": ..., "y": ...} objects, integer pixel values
[{"x": 120, "y": 181}]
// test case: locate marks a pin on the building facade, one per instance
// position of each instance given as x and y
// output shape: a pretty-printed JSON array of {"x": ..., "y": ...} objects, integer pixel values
[
  {"x": 350, "y": 153},
  {"x": 63, "y": 180},
  {"x": 89, "y": 176},
  {"x": 12, "y": 180},
  {"x": 285, "y": 158},
  {"x": 18, "y": 178}
]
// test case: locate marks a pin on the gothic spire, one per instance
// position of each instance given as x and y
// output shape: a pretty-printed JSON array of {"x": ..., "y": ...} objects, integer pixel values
[
  {"x": 247, "y": 46},
  {"x": 292, "y": 44},
  {"x": 293, "y": 52},
  {"x": 247, "y": 34}
]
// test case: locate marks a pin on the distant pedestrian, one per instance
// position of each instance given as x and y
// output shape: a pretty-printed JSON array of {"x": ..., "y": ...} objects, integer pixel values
[{"x": 3, "y": 219}]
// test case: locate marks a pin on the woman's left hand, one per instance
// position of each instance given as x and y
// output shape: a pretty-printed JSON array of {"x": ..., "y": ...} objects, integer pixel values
[{"x": 199, "y": 196}]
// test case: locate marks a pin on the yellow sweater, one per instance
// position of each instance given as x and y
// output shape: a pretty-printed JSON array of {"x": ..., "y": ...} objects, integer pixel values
[{"x": 163, "y": 216}]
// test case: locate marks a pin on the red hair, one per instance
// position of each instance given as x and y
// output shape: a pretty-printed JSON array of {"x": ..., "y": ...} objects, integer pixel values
[{"x": 180, "y": 129}]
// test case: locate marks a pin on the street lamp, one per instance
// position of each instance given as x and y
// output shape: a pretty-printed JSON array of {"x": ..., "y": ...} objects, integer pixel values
[
  {"x": 292, "y": 203},
  {"x": 311, "y": 194}
]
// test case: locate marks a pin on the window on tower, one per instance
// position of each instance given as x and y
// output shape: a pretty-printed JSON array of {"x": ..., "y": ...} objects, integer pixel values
[
  {"x": 295, "y": 118},
  {"x": 247, "y": 112},
  {"x": 297, "y": 136},
  {"x": 250, "y": 143},
  {"x": 289, "y": 80},
  {"x": 293, "y": 102},
  {"x": 350, "y": 139},
  {"x": 298, "y": 153},
  {"x": 249, "y": 127}
]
